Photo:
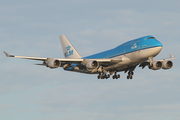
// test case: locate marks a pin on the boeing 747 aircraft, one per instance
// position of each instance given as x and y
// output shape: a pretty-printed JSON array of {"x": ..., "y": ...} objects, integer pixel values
[{"x": 125, "y": 57}]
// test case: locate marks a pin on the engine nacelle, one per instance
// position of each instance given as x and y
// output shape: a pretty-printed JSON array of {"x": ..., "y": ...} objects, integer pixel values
[
  {"x": 92, "y": 65},
  {"x": 53, "y": 63},
  {"x": 156, "y": 65},
  {"x": 167, "y": 64}
]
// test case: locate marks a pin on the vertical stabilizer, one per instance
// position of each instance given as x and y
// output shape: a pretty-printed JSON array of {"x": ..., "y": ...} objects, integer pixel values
[{"x": 68, "y": 50}]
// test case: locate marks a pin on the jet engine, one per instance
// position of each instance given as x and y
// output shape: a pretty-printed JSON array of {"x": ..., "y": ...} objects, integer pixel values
[
  {"x": 156, "y": 65},
  {"x": 167, "y": 64},
  {"x": 92, "y": 65},
  {"x": 53, "y": 63}
]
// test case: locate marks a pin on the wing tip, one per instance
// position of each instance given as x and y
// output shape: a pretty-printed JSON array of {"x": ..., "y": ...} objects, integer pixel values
[
  {"x": 171, "y": 55},
  {"x": 7, "y": 55}
]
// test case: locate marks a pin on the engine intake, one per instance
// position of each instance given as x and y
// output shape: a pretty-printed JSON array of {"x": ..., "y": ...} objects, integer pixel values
[
  {"x": 92, "y": 65},
  {"x": 167, "y": 65},
  {"x": 156, "y": 65},
  {"x": 53, "y": 63}
]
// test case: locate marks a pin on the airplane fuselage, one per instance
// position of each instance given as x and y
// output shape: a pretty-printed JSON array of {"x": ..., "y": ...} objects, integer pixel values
[
  {"x": 133, "y": 52},
  {"x": 128, "y": 47}
]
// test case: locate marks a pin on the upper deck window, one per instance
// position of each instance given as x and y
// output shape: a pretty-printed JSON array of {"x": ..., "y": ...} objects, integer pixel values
[{"x": 151, "y": 38}]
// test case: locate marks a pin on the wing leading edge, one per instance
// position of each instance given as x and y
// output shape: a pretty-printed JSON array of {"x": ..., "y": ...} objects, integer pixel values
[{"x": 62, "y": 59}]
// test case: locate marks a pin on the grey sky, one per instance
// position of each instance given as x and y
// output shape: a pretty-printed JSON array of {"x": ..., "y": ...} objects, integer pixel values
[{"x": 29, "y": 92}]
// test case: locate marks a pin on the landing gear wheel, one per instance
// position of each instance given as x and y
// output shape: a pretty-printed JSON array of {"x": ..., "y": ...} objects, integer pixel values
[
  {"x": 103, "y": 76},
  {"x": 108, "y": 75},
  {"x": 115, "y": 76},
  {"x": 130, "y": 74}
]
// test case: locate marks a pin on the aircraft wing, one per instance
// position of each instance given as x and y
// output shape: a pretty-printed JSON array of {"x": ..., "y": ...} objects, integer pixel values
[
  {"x": 25, "y": 57},
  {"x": 148, "y": 62},
  {"x": 170, "y": 58},
  {"x": 43, "y": 59},
  {"x": 62, "y": 59}
]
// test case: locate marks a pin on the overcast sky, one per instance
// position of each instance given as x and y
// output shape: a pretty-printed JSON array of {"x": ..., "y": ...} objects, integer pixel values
[{"x": 32, "y": 28}]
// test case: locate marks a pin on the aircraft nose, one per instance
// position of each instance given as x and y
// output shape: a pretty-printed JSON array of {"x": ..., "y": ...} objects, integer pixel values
[{"x": 158, "y": 44}]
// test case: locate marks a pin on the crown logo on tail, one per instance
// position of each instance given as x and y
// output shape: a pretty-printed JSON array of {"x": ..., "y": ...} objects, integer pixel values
[
  {"x": 68, "y": 52},
  {"x": 68, "y": 47}
]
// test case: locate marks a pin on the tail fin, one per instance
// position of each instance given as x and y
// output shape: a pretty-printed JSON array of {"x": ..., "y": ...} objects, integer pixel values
[{"x": 68, "y": 49}]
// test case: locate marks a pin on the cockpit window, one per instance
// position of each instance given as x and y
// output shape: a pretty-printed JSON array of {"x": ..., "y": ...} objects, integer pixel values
[{"x": 151, "y": 38}]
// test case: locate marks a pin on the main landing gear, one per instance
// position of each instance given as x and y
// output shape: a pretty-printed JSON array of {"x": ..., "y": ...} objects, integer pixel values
[
  {"x": 115, "y": 76},
  {"x": 130, "y": 74},
  {"x": 103, "y": 76}
]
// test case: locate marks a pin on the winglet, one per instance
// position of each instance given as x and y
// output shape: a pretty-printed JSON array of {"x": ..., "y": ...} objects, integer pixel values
[
  {"x": 7, "y": 55},
  {"x": 171, "y": 55}
]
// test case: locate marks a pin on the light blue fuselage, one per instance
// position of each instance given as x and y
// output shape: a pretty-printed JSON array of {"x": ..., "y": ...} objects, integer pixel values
[
  {"x": 136, "y": 50},
  {"x": 128, "y": 47}
]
